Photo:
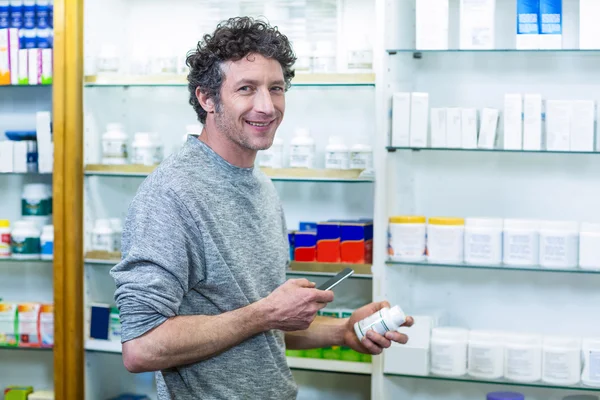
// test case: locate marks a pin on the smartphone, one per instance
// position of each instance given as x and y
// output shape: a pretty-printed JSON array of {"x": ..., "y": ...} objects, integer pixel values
[{"x": 333, "y": 282}]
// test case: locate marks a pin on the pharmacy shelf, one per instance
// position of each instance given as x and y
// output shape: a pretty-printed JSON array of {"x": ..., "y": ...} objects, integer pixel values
[
  {"x": 537, "y": 268},
  {"x": 15, "y": 260},
  {"x": 45, "y": 349},
  {"x": 393, "y": 149},
  {"x": 25, "y": 86},
  {"x": 362, "y": 271},
  {"x": 488, "y": 51},
  {"x": 328, "y": 269},
  {"x": 103, "y": 346},
  {"x": 276, "y": 174},
  {"x": 504, "y": 382},
  {"x": 301, "y": 79},
  {"x": 23, "y": 173},
  {"x": 314, "y": 364}
]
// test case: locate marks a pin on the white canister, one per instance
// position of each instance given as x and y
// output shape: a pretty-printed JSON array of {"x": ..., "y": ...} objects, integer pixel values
[
  {"x": 483, "y": 241},
  {"x": 36, "y": 200},
  {"x": 336, "y": 154},
  {"x": 144, "y": 149},
  {"x": 114, "y": 145},
  {"x": 521, "y": 242},
  {"x": 361, "y": 157},
  {"x": 302, "y": 150},
  {"x": 589, "y": 246},
  {"x": 449, "y": 351},
  {"x": 406, "y": 238},
  {"x": 102, "y": 236},
  {"x": 273, "y": 156},
  {"x": 523, "y": 358},
  {"x": 25, "y": 241},
  {"x": 445, "y": 239},
  {"x": 561, "y": 361},
  {"x": 559, "y": 244},
  {"x": 486, "y": 354},
  {"x": 591, "y": 362},
  {"x": 117, "y": 229}
]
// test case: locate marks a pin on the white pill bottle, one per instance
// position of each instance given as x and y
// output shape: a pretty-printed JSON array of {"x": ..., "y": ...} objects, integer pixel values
[{"x": 385, "y": 320}]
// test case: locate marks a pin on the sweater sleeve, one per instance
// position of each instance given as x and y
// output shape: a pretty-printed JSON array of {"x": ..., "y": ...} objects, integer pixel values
[{"x": 163, "y": 259}]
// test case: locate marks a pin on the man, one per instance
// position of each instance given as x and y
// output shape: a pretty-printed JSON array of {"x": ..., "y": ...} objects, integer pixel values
[{"x": 201, "y": 287}]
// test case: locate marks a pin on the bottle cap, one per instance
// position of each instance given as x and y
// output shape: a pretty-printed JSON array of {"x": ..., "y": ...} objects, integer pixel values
[
  {"x": 397, "y": 315},
  {"x": 4, "y": 223}
]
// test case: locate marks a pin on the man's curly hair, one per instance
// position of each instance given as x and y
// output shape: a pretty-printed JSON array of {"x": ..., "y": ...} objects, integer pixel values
[{"x": 232, "y": 40}]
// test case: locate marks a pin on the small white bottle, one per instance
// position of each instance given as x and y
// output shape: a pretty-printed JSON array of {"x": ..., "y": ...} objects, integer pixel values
[
  {"x": 114, "y": 145},
  {"x": 302, "y": 149},
  {"x": 25, "y": 241},
  {"x": 336, "y": 154},
  {"x": 384, "y": 320},
  {"x": 273, "y": 156},
  {"x": 47, "y": 242},
  {"x": 102, "y": 236},
  {"x": 144, "y": 150},
  {"x": 117, "y": 228},
  {"x": 4, "y": 238},
  {"x": 361, "y": 157}
]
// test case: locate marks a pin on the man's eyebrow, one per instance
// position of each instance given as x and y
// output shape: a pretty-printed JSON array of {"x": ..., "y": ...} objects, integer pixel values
[{"x": 253, "y": 82}]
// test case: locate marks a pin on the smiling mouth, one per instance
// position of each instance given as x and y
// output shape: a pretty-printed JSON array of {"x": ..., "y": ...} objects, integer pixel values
[{"x": 259, "y": 124}]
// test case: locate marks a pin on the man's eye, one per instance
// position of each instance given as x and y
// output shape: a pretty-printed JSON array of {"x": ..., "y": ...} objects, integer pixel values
[
  {"x": 277, "y": 88},
  {"x": 244, "y": 89}
]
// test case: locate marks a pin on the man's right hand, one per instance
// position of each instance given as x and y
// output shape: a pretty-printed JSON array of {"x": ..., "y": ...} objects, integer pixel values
[{"x": 293, "y": 306}]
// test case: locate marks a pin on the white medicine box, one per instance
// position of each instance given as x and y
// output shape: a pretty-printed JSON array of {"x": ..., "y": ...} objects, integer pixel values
[{"x": 413, "y": 357}]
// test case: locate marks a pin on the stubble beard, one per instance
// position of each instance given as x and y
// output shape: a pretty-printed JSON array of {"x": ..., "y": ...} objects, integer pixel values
[{"x": 227, "y": 126}]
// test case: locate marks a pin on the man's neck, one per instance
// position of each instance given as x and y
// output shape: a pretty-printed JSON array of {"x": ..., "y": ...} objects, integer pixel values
[{"x": 230, "y": 151}]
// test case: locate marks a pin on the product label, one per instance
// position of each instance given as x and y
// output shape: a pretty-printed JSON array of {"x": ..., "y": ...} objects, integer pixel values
[
  {"x": 520, "y": 247},
  {"x": 114, "y": 148},
  {"x": 375, "y": 322},
  {"x": 551, "y": 17},
  {"x": 555, "y": 249},
  {"x": 36, "y": 208},
  {"x": 43, "y": 17},
  {"x": 21, "y": 245},
  {"x": 336, "y": 160},
  {"x": 47, "y": 328},
  {"x": 406, "y": 241},
  {"x": 483, "y": 246},
  {"x": 527, "y": 17},
  {"x": 520, "y": 364},
  {"x": 29, "y": 16},
  {"x": 8, "y": 325},
  {"x": 102, "y": 242},
  {"x": 114, "y": 329},
  {"x": 4, "y": 17},
  {"x": 445, "y": 244},
  {"x": 143, "y": 157},
  {"x": 47, "y": 248},
  {"x": 16, "y": 17},
  {"x": 28, "y": 331},
  {"x": 5, "y": 245},
  {"x": 301, "y": 157},
  {"x": 360, "y": 160},
  {"x": 594, "y": 357},
  {"x": 271, "y": 159},
  {"x": 561, "y": 366},
  {"x": 448, "y": 358},
  {"x": 486, "y": 360}
]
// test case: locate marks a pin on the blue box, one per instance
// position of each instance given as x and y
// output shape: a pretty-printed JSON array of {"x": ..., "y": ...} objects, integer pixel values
[
  {"x": 528, "y": 17},
  {"x": 99, "y": 321}
]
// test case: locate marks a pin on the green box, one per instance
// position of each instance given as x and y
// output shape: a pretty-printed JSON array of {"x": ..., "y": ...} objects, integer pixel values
[
  {"x": 313, "y": 353},
  {"x": 17, "y": 392},
  {"x": 295, "y": 353}
]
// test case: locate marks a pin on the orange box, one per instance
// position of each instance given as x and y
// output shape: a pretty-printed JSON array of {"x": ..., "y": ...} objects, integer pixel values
[
  {"x": 29, "y": 325},
  {"x": 305, "y": 246},
  {"x": 328, "y": 242},
  {"x": 356, "y": 245}
]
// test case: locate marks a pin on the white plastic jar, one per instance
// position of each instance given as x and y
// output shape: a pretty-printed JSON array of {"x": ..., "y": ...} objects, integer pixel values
[
  {"x": 25, "y": 241},
  {"x": 337, "y": 155},
  {"x": 591, "y": 362},
  {"x": 521, "y": 242},
  {"x": 483, "y": 241},
  {"x": 114, "y": 145},
  {"x": 523, "y": 358},
  {"x": 273, "y": 156},
  {"x": 589, "y": 246},
  {"x": 144, "y": 149},
  {"x": 36, "y": 200},
  {"x": 486, "y": 354},
  {"x": 406, "y": 238},
  {"x": 561, "y": 361},
  {"x": 445, "y": 239},
  {"x": 4, "y": 238},
  {"x": 117, "y": 228},
  {"x": 302, "y": 150},
  {"x": 47, "y": 242},
  {"x": 385, "y": 320},
  {"x": 102, "y": 236},
  {"x": 361, "y": 157},
  {"x": 559, "y": 244},
  {"x": 449, "y": 351}
]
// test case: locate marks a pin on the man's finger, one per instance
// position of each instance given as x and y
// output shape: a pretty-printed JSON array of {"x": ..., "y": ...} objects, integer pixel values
[
  {"x": 323, "y": 296},
  {"x": 409, "y": 322},
  {"x": 396, "y": 337},
  {"x": 303, "y": 282},
  {"x": 370, "y": 346},
  {"x": 379, "y": 340}
]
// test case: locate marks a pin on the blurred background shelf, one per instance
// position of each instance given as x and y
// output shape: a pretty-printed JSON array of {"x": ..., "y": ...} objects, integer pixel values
[
  {"x": 536, "y": 268},
  {"x": 312, "y": 364},
  {"x": 392, "y": 149}
]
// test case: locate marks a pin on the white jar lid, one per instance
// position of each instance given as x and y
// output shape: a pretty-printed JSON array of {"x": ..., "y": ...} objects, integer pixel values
[
  {"x": 486, "y": 336},
  {"x": 491, "y": 223},
  {"x": 452, "y": 333},
  {"x": 591, "y": 227},
  {"x": 559, "y": 226},
  {"x": 563, "y": 342},
  {"x": 521, "y": 224},
  {"x": 102, "y": 224}
]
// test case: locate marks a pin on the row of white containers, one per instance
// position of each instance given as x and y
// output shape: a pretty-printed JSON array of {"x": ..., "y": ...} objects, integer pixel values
[
  {"x": 493, "y": 241},
  {"x": 516, "y": 357}
]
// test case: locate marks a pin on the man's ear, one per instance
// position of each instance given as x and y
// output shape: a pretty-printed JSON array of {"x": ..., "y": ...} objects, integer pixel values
[{"x": 206, "y": 102}]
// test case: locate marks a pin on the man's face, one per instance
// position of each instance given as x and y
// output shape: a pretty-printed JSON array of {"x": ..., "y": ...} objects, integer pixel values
[{"x": 252, "y": 101}]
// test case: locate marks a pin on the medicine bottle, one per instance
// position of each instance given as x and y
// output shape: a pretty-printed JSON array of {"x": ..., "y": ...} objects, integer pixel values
[
  {"x": 25, "y": 241},
  {"x": 385, "y": 320},
  {"x": 102, "y": 236},
  {"x": 302, "y": 150},
  {"x": 336, "y": 154},
  {"x": 273, "y": 156},
  {"x": 47, "y": 242},
  {"x": 117, "y": 228},
  {"x": 114, "y": 145}
]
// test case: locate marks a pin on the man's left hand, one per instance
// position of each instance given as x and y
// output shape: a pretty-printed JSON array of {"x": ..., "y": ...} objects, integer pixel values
[{"x": 373, "y": 342}]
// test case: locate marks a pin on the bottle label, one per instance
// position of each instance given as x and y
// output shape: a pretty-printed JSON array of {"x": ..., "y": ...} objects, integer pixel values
[
  {"x": 4, "y": 17},
  {"x": 143, "y": 157},
  {"x": 102, "y": 242},
  {"x": 47, "y": 248},
  {"x": 520, "y": 363},
  {"x": 114, "y": 148},
  {"x": 41, "y": 207},
  {"x": 594, "y": 357},
  {"x": 25, "y": 245},
  {"x": 47, "y": 328},
  {"x": 29, "y": 16},
  {"x": 360, "y": 160},
  {"x": 16, "y": 16},
  {"x": 336, "y": 160},
  {"x": 301, "y": 157},
  {"x": 5, "y": 245},
  {"x": 375, "y": 322}
]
